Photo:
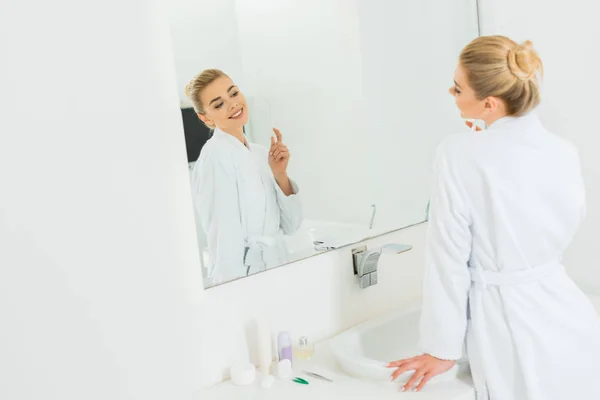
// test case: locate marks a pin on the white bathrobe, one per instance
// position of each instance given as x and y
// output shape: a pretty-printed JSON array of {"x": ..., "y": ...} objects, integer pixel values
[
  {"x": 505, "y": 204},
  {"x": 242, "y": 209}
]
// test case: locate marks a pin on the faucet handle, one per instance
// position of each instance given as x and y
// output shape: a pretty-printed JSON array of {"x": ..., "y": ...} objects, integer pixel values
[
  {"x": 365, "y": 261},
  {"x": 368, "y": 280}
]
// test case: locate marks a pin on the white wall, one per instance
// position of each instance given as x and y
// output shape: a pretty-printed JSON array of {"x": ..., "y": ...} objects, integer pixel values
[
  {"x": 99, "y": 274},
  {"x": 566, "y": 36},
  {"x": 317, "y": 297},
  {"x": 204, "y": 34}
]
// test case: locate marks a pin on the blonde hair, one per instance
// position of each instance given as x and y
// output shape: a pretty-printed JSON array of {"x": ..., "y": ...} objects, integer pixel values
[
  {"x": 499, "y": 67},
  {"x": 194, "y": 89}
]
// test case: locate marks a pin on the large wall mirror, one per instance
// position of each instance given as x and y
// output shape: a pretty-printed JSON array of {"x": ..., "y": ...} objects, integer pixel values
[{"x": 323, "y": 124}]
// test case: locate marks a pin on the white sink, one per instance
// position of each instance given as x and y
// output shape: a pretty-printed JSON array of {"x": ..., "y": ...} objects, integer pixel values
[{"x": 365, "y": 350}]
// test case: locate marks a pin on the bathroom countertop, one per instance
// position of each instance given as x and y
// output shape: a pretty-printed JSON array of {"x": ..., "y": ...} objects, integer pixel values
[{"x": 343, "y": 387}]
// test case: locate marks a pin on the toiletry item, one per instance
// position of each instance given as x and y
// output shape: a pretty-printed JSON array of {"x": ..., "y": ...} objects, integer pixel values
[
  {"x": 284, "y": 369},
  {"x": 265, "y": 353},
  {"x": 284, "y": 346},
  {"x": 243, "y": 374},
  {"x": 321, "y": 377},
  {"x": 267, "y": 382},
  {"x": 300, "y": 381},
  {"x": 304, "y": 350}
]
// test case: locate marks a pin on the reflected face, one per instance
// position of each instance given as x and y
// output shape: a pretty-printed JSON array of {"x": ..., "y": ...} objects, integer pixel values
[
  {"x": 224, "y": 105},
  {"x": 470, "y": 107}
]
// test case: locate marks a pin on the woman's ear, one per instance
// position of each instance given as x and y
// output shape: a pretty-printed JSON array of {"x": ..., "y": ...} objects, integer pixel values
[
  {"x": 491, "y": 104},
  {"x": 207, "y": 121}
]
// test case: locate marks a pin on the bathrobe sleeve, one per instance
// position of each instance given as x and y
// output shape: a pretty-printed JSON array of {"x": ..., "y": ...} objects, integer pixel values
[
  {"x": 291, "y": 209},
  {"x": 447, "y": 279}
]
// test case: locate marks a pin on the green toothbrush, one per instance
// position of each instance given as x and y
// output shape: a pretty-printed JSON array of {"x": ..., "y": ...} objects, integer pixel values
[{"x": 300, "y": 381}]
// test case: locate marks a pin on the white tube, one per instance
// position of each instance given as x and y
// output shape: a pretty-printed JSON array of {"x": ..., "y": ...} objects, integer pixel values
[{"x": 264, "y": 346}]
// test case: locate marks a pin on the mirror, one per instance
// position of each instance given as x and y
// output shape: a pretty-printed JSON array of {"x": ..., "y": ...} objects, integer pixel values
[{"x": 358, "y": 90}]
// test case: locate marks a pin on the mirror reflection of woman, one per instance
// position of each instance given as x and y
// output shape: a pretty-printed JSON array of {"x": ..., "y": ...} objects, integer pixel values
[{"x": 242, "y": 193}]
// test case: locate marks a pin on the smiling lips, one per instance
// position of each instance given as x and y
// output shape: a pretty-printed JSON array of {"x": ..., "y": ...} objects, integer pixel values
[{"x": 238, "y": 114}]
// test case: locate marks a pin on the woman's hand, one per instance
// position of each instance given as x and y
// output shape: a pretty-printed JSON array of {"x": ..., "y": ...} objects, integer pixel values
[
  {"x": 279, "y": 155},
  {"x": 425, "y": 367}
]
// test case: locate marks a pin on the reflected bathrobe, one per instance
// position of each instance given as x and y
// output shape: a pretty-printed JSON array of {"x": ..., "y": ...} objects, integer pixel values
[
  {"x": 241, "y": 208},
  {"x": 505, "y": 204}
]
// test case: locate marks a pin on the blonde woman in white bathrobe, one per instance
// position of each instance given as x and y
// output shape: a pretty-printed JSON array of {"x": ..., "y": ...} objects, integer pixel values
[
  {"x": 506, "y": 203},
  {"x": 243, "y": 196}
]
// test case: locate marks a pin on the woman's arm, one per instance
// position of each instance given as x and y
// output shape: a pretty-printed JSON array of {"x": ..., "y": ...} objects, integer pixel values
[
  {"x": 287, "y": 190},
  {"x": 290, "y": 207},
  {"x": 447, "y": 279},
  {"x": 283, "y": 181}
]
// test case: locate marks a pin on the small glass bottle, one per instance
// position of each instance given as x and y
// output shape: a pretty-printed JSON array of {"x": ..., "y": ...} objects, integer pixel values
[
  {"x": 284, "y": 346},
  {"x": 304, "y": 350}
]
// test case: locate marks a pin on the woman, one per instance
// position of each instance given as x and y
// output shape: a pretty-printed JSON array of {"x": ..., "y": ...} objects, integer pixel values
[
  {"x": 242, "y": 192},
  {"x": 505, "y": 204}
]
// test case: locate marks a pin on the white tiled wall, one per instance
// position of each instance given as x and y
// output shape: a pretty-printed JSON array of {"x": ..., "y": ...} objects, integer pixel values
[{"x": 99, "y": 278}]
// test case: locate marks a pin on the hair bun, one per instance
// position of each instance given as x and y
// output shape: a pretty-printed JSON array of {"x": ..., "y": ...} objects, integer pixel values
[{"x": 523, "y": 61}]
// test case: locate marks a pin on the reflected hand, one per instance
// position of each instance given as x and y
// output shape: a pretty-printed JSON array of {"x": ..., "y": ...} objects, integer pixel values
[
  {"x": 279, "y": 155},
  {"x": 470, "y": 125},
  {"x": 425, "y": 367}
]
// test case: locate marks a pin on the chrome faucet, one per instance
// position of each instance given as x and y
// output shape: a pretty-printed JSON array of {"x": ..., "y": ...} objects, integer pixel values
[{"x": 365, "y": 262}]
